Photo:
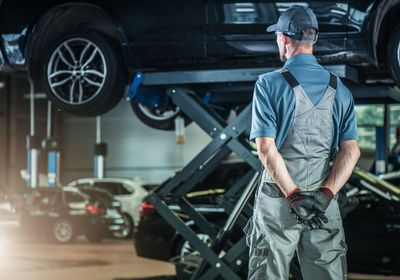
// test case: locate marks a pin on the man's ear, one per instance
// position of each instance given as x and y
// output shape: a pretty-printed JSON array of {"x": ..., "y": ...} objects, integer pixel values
[{"x": 285, "y": 39}]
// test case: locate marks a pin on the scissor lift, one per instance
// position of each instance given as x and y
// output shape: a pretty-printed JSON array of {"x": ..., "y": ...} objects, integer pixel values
[{"x": 226, "y": 138}]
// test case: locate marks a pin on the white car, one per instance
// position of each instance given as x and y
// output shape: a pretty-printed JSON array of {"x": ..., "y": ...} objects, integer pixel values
[{"x": 129, "y": 192}]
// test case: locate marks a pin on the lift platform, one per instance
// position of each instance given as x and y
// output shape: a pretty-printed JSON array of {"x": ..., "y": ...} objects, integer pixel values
[
  {"x": 228, "y": 75},
  {"x": 223, "y": 259}
]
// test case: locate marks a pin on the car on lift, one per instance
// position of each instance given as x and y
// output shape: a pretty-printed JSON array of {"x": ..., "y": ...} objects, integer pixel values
[
  {"x": 82, "y": 53},
  {"x": 129, "y": 192},
  {"x": 370, "y": 208},
  {"x": 64, "y": 213}
]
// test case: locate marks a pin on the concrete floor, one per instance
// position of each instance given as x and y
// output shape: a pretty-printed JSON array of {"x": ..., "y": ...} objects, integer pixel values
[
  {"x": 109, "y": 260},
  {"x": 24, "y": 258}
]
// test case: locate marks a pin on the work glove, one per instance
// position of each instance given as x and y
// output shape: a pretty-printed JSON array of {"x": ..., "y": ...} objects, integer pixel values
[
  {"x": 301, "y": 204},
  {"x": 323, "y": 197},
  {"x": 304, "y": 210}
]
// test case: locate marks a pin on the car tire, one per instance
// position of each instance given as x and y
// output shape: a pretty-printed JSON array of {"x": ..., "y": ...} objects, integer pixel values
[
  {"x": 83, "y": 73},
  {"x": 127, "y": 231},
  {"x": 63, "y": 231},
  {"x": 393, "y": 57},
  {"x": 158, "y": 119}
]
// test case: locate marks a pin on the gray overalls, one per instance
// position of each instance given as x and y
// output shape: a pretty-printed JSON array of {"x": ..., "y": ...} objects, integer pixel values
[{"x": 272, "y": 233}]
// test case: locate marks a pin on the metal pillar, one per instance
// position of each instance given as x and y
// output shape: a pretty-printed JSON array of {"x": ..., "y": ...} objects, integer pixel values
[
  {"x": 387, "y": 124},
  {"x": 33, "y": 144},
  {"x": 380, "y": 151},
  {"x": 100, "y": 152},
  {"x": 50, "y": 145}
]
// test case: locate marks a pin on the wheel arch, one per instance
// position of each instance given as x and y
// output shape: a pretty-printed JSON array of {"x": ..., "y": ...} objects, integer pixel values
[
  {"x": 129, "y": 216},
  {"x": 65, "y": 17},
  {"x": 385, "y": 20}
]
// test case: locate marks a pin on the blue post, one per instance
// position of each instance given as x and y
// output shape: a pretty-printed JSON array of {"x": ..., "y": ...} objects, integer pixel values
[
  {"x": 53, "y": 161},
  {"x": 33, "y": 150},
  {"x": 380, "y": 151}
]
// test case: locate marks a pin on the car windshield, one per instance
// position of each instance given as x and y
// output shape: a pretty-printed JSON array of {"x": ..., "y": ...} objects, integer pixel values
[
  {"x": 113, "y": 187},
  {"x": 75, "y": 196},
  {"x": 41, "y": 197},
  {"x": 103, "y": 197}
]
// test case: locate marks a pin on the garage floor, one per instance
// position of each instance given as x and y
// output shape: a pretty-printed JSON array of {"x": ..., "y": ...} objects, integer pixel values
[
  {"x": 25, "y": 258},
  {"x": 109, "y": 260}
]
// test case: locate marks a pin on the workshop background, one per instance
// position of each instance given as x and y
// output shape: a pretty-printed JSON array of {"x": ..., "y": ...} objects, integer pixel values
[{"x": 124, "y": 150}]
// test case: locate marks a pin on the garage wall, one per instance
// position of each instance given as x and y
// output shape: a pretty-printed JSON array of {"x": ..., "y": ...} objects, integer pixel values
[{"x": 134, "y": 149}]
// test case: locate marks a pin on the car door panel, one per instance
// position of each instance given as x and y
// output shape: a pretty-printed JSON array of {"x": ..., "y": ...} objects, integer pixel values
[
  {"x": 237, "y": 28},
  {"x": 165, "y": 29}
]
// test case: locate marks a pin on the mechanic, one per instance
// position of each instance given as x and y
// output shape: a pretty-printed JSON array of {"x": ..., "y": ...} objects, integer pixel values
[{"x": 302, "y": 120}]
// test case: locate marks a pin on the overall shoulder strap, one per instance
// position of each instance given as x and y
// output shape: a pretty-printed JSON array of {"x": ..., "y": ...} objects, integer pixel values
[
  {"x": 332, "y": 80},
  {"x": 289, "y": 77}
]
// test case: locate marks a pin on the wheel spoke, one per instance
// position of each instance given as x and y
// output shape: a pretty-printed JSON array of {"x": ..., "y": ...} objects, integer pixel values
[
  {"x": 67, "y": 76},
  {"x": 84, "y": 52},
  {"x": 60, "y": 72},
  {"x": 398, "y": 53},
  {"x": 93, "y": 83},
  {"x": 90, "y": 58},
  {"x": 71, "y": 92},
  {"x": 56, "y": 84},
  {"x": 63, "y": 58},
  {"x": 70, "y": 51},
  {"x": 94, "y": 72},
  {"x": 80, "y": 92}
]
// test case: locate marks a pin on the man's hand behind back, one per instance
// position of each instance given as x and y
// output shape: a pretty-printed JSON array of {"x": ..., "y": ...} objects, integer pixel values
[{"x": 309, "y": 207}]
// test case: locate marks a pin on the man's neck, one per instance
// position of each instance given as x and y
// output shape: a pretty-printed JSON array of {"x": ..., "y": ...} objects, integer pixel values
[{"x": 293, "y": 52}]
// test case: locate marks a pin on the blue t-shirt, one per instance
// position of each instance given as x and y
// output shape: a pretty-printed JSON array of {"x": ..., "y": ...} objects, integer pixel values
[{"x": 274, "y": 101}]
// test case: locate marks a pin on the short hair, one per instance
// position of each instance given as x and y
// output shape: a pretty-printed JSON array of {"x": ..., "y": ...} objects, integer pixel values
[{"x": 309, "y": 35}]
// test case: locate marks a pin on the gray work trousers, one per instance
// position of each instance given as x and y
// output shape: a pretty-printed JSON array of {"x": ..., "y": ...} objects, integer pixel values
[{"x": 273, "y": 236}]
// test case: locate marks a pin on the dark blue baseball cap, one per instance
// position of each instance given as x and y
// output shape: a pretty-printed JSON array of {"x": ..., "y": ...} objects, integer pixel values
[{"x": 294, "y": 21}]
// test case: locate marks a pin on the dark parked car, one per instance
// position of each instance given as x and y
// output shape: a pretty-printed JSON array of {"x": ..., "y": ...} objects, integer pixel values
[
  {"x": 371, "y": 211},
  {"x": 64, "y": 213},
  {"x": 82, "y": 52}
]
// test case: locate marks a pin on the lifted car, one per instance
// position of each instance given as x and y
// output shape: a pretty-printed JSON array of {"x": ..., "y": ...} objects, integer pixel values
[{"x": 81, "y": 53}]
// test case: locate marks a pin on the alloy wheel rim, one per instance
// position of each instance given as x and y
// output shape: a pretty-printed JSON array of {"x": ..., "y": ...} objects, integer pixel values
[
  {"x": 63, "y": 231},
  {"x": 125, "y": 228},
  {"x": 398, "y": 53},
  {"x": 188, "y": 249},
  {"x": 76, "y": 71}
]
